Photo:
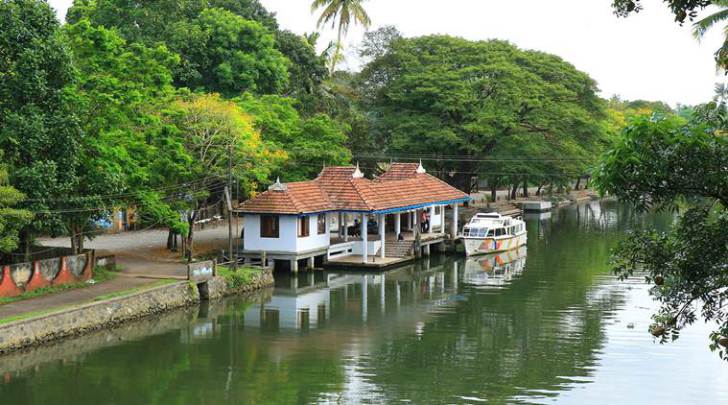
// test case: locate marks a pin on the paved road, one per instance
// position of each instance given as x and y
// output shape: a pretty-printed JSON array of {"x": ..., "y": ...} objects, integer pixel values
[{"x": 144, "y": 252}]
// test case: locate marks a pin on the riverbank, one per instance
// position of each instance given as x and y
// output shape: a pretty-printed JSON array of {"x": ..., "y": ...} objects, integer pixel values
[{"x": 43, "y": 328}]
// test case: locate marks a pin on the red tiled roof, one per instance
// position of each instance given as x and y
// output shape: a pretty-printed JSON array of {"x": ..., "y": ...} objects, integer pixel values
[
  {"x": 337, "y": 182},
  {"x": 336, "y": 189},
  {"x": 399, "y": 171},
  {"x": 298, "y": 198}
]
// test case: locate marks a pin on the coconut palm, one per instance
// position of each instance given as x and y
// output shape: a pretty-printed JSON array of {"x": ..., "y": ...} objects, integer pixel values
[
  {"x": 702, "y": 26},
  {"x": 341, "y": 13}
]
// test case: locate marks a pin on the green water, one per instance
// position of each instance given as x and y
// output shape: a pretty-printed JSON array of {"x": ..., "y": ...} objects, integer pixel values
[{"x": 546, "y": 325}]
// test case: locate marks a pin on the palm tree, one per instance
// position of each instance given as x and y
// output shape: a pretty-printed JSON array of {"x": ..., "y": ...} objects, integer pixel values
[
  {"x": 702, "y": 26},
  {"x": 341, "y": 12}
]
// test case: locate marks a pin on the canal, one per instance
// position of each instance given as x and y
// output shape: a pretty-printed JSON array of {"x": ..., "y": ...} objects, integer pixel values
[{"x": 545, "y": 324}]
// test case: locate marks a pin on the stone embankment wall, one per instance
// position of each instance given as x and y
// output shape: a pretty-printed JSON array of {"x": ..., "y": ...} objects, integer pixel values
[{"x": 90, "y": 317}]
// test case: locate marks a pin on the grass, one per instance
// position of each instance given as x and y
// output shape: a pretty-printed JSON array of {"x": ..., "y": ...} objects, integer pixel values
[
  {"x": 28, "y": 315},
  {"x": 130, "y": 291},
  {"x": 100, "y": 275},
  {"x": 242, "y": 276}
]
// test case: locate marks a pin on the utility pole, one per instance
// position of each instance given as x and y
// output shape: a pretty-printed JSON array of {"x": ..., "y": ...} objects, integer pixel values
[{"x": 228, "y": 198}]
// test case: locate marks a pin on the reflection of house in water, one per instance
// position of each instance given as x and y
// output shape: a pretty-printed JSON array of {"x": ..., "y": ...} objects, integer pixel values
[
  {"x": 495, "y": 269},
  {"x": 313, "y": 300}
]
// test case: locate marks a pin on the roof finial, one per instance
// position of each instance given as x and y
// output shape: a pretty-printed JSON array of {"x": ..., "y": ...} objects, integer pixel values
[
  {"x": 278, "y": 186},
  {"x": 420, "y": 168},
  {"x": 357, "y": 173}
]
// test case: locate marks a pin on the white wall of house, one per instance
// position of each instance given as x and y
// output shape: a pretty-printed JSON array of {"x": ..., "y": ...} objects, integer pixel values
[
  {"x": 314, "y": 241},
  {"x": 286, "y": 241}
]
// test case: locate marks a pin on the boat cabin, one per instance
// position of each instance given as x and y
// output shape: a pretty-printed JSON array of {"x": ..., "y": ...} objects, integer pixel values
[{"x": 492, "y": 225}]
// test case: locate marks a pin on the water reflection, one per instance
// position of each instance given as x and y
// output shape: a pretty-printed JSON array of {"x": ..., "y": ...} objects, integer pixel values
[
  {"x": 494, "y": 270},
  {"x": 525, "y": 326}
]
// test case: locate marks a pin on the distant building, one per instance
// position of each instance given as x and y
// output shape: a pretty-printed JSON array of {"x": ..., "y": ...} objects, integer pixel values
[{"x": 296, "y": 221}]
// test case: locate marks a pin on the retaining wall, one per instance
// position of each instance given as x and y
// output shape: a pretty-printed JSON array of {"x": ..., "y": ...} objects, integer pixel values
[
  {"x": 94, "y": 316},
  {"x": 16, "y": 279}
]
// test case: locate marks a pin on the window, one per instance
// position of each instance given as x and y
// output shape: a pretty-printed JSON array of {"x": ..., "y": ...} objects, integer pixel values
[
  {"x": 491, "y": 233},
  {"x": 500, "y": 232},
  {"x": 303, "y": 227},
  {"x": 437, "y": 210},
  {"x": 269, "y": 226},
  {"x": 321, "y": 224}
]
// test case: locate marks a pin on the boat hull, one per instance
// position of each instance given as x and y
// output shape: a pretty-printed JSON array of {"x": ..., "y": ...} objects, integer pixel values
[{"x": 484, "y": 246}]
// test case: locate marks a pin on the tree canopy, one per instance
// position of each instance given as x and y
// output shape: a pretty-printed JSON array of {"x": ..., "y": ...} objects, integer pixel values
[
  {"x": 310, "y": 143},
  {"x": 671, "y": 163},
  {"x": 227, "y": 46},
  {"x": 12, "y": 220},
  {"x": 39, "y": 131},
  {"x": 462, "y": 101}
]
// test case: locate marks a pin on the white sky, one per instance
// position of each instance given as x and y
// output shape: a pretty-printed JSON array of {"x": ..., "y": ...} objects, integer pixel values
[{"x": 645, "y": 56}]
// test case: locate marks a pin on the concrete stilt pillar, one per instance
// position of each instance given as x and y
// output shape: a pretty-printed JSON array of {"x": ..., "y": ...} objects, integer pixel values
[
  {"x": 442, "y": 219},
  {"x": 364, "y": 238},
  {"x": 310, "y": 262},
  {"x": 454, "y": 222},
  {"x": 382, "y": 233},
  {"x": 294, "y": 266},
  {"x": 426, "y": 250},
  {"x": 397, "y": 224}
]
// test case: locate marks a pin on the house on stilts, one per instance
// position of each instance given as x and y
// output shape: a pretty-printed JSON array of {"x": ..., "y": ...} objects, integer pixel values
[{"x": 343, "y": 219}]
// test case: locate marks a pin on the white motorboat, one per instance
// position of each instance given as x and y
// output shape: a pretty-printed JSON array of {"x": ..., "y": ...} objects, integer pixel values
[{"x": 492, "y": 233}]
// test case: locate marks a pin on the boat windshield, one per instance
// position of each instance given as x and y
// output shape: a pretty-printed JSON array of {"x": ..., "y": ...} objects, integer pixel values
[{"x": 478, "y": 232}]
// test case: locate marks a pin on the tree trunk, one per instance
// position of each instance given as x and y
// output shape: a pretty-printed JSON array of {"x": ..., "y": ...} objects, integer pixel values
[
  {"x": 514, "y": 191},
  {"x": 586, "y": 186},
  {"x": 26, "y": 241},
  {"x": 578, "y": 183},
  {"x": 170, "y": 239},
  {"x": 494, "y": 192},
  {"x": 525, "y": 187},
  {"x": 540, "y": 186}
]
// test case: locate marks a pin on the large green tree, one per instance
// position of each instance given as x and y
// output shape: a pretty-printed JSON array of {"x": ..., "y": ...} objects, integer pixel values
[
  {"x": 310, "y": 143},
  {"x": 39, "y": 133},
  {"x": 12, "y": 220},
  {"x": 165, "y": 21},
  {"x": 671, "y": 163},
  {"x": 120, "y": 88},
  {"x": 219, "y": 139},
  {"x": 481, "y": 107},
  {"x": 223, "y": 52}
]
